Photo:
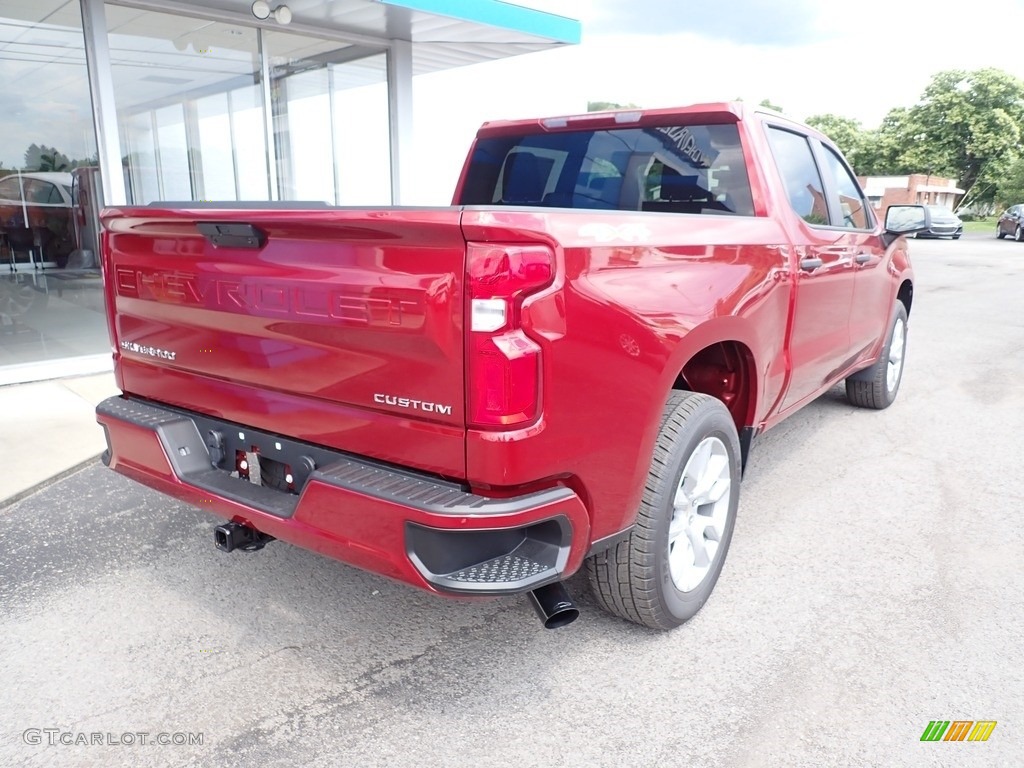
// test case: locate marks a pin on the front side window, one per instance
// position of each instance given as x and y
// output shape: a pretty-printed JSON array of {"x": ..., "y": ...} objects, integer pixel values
[
  {"x": 677, "y": 169},
  {"x": 800, "y": 175},
  {"x": 851, "y": 200}
]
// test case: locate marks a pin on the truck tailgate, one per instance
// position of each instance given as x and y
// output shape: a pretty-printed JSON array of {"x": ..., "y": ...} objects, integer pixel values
[{"x": 341, "y": 327}]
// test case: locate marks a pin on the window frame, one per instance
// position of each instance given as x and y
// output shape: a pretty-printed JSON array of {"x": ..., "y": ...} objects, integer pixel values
[
  {"x": 833, "y": 196},
  {"x": 815, "y": 158},
  {"x": 830, "y": 188},
  {"x": 630, "y": 171}
]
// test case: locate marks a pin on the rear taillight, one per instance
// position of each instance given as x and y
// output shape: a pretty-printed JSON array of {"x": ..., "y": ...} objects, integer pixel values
[{"x": 504, "y": 363}]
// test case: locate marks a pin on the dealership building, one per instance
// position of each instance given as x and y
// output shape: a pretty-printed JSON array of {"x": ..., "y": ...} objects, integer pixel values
[{"x": 107, "y": 103}]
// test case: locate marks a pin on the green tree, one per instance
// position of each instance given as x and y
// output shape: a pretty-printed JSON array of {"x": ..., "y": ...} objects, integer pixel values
[
  {"x": 39, "y": 157},
  {"x": 766, "y": 103},
  {"x": 891, "y": 148},
  {"x": 1011, "y": 186},
  {"x": 968, "y": 126},
  {"x": 846, "y": 133},
  {"x": 602, "y": 106},
  {"x": 54, "y": 161},
  {"x": 32, "y": 156}
]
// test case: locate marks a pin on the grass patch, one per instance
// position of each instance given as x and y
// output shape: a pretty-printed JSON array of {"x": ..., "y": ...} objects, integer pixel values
[{"x": 982, "y": 225}]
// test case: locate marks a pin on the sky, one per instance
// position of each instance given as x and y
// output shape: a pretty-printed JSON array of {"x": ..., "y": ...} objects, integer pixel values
[{"x": 856, "y": 59}]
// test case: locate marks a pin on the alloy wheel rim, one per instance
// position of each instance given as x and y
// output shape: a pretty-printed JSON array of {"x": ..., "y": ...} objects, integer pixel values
[
  {"x": 700, "y": 511},
  {"x": 896, "y": 349}
]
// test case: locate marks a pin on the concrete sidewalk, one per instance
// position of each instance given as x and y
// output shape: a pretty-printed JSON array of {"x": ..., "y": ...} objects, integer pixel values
[{"x": 48, "y": 428}]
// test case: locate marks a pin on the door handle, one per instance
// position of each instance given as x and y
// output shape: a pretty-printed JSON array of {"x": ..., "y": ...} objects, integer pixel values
[
  {"x": 810, "y": 262},
  {"x": 862, "y": 258}
]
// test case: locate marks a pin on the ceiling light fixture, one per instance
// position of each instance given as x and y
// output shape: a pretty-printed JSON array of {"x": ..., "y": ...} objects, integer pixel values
[{"x": 261, "y": 10}]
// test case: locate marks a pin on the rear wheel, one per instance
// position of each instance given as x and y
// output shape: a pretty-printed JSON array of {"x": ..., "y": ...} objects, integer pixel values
[
  {"x": 999, "y": 232},
  {"x": 1018, "y": 235},
  {"x": 665, "y": 571},
  {"x": 877, "y": 386}
]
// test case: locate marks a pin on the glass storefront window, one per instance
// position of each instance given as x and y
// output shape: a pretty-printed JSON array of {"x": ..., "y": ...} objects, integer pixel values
[
  {"x": 195, "y": 121},
  {"x": 249, "y": 144},
  {"x": 139, "y": 150},
  {"x": 219, "y": 182},
  {"x": 190, "y": 102},
  {"x": 51, "y": 299},
  {"x": 175, "y": 176},
  {"x": 331, "y": 120},
  {"x": 190, "y": 107},
  {"x": 361, "y": 131},
  {"x": 308, "y": 173}
]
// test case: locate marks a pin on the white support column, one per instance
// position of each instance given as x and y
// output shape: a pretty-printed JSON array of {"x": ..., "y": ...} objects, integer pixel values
[
  {"x": 104, "y": 108},
  {"x": 400, "y": 113},
  {"x": 274, "y": 151}
]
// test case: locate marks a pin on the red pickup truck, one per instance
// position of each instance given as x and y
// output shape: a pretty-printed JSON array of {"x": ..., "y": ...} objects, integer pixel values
[{"x": 566, "y": 368}]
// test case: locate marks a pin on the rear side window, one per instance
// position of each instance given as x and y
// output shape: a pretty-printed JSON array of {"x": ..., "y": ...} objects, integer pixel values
[
  {"x": 680, "y": 169},
  {"x": 800, "y": 175}
]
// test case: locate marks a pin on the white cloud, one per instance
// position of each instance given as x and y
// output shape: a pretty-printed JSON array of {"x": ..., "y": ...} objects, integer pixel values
[
  {"x": 856, "y": 60},
  {"x": 762, "y": 22}
]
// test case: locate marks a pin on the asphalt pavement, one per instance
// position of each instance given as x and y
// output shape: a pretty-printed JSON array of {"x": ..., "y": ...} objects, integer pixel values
[{"x": 874, "y": 584}]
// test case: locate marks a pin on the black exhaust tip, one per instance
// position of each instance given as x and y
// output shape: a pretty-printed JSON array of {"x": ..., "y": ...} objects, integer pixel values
[
  {"x": 554, "y": 606},
  {"x": 232, "y": 536}
]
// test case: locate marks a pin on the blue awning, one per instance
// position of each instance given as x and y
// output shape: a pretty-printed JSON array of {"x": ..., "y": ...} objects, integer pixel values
[{"x": 504, "y": 16}]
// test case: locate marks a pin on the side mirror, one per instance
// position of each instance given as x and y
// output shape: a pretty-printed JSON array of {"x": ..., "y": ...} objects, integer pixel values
[{"x": 903, "y": 219}]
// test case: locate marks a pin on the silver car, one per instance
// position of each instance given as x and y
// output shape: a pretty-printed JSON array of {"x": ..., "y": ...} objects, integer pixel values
[{"x": 945, "y": 223}]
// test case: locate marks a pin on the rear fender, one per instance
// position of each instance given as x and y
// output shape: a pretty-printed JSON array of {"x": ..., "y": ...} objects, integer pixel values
[{"x": 717, "y": 331}]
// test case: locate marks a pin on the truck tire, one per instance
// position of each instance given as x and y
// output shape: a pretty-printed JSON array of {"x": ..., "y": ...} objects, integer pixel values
[
  {"x": 664, "y": 572},
  {"x": 877, "y": 386}
]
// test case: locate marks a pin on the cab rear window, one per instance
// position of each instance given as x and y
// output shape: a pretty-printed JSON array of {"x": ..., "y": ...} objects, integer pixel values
[{"x": 679, "y": 169}]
